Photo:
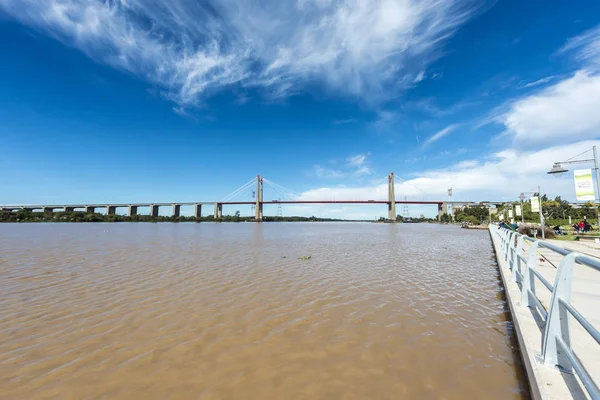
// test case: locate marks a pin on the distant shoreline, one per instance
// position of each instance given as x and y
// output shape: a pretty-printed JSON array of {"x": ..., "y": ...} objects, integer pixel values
[{"x": 25, "y": 216}]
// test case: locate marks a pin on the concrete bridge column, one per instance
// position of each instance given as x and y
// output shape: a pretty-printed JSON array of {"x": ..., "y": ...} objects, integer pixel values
[
  {"x": 219, "y": 211},
  {"x": 197, "y": 210},
  {"x": 69, "y": 209},
  {"x": 47, "y": 210},
  {"x": 153, "y": 210},
  {"x": 132, "y": 210},
  {"x": 176, "y": 210},
  {"x": 445, "y": 209},
  {"x": 391, "y": 198},
  {"x": 258, "y": 216},
  {"x": 90, "y": 210},
  {"x": 111, "y": 210},
  {"x": 440, "y": 211}
]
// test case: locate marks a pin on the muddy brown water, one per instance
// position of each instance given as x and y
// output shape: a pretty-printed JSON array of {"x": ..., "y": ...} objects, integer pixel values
[{"x": 231, "y": 311}]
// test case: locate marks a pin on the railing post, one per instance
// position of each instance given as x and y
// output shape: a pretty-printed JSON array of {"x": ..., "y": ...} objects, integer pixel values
[
  {"x": 507, "y": 253},
  {"x": 515, "y": 276},
  {"x": 528, "y": 276},
  {"x": 557, "y": 323}
]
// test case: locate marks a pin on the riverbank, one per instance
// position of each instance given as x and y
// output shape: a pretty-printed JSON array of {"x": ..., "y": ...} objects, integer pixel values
[{"x": 23, "y": 216}]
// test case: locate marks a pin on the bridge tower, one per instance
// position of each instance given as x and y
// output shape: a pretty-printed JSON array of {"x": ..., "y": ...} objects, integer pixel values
[
  {"x": 258, "y": 215},
  {"x": 391, "y": 198}
]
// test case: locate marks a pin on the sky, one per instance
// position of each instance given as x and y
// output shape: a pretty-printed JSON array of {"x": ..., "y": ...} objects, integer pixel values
[{"x": 129, "y": 101}]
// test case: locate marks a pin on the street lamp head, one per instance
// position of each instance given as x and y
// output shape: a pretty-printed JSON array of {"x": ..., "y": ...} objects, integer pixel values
[
  {"x": 522, "y": 196},
  {"x": 557, "y": 170}
]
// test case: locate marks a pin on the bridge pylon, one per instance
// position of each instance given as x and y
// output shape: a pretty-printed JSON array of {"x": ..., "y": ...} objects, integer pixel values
[
  {"x": 258, "y": 213},
  {"x": 391, "y": 198}
]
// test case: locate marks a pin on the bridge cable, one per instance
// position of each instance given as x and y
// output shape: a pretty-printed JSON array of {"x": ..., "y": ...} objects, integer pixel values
[
  {"x": 278, "y": 190},
  {"x": 239, "y": 190},
  {"x": 410, "y": 184},
  {"x": 287, "y": 192}
]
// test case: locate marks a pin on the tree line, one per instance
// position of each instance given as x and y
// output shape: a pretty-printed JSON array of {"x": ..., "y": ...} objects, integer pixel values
[{"x": 80, "y": 216}]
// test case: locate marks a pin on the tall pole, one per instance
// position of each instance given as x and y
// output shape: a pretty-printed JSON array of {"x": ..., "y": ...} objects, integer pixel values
[
  {"x": 597, "y": 182},
  {"x": 522, "y": 213},
  {"x": 541, "y": 213},
  {"x": 391, "y": 198}
]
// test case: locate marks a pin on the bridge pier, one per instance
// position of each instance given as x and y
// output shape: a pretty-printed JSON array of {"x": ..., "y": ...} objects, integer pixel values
[
  {"x": 111, "y": 210},
  {"x": 441, "y": 211},
  {"x": 47, "y": 210},
  {"x": 153, "y": 210},
  {"x": 90, "y": 210},
  {"x": 218, "y": 212},
  {"x": 132, "y": 210},
  {"x": 176, "y": 210},
  {"x": 69, "y": 209},
  {"x": 198, "y": 210}
]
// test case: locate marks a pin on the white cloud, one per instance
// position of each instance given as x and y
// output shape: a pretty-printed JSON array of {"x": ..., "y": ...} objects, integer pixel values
[
  {"x": 566, "y": 112},
  {"x": 367, "y": 48},
  {"x": 440, "y": 134},
  {"x": 500, "y": 177},
  {"x": 420, "y": 76}
]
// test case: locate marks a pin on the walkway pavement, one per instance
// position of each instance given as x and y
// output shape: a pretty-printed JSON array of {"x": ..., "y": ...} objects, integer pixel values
[{"x": 552, "y": 383}]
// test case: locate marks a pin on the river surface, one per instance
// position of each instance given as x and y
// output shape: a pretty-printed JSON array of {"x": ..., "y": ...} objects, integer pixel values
[{"x": 232, "y": 311}]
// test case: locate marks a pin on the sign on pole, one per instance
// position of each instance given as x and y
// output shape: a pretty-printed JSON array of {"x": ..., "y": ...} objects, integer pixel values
[
  {"x": 584, "y": 185},
  {"x": 518, "y": 210},
  {"x": 510, "y": 214},
  {"x": 535, "y": 204},
  {"x": 501, "y": 217}
]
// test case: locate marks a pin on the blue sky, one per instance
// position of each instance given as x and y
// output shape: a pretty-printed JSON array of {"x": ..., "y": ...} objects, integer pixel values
[{"x": 126, "y": 101}]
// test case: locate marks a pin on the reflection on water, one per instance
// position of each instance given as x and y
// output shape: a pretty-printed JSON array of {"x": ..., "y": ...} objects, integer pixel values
[{"x": 223, "y": 311}]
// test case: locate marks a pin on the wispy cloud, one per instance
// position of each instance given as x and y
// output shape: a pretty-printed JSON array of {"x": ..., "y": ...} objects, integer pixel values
[
  {"x": 192, "y": 49},
  {"x": 440, "y": 134},
  {"x": 344, "y": 121},
  {"x": 540, "y": 81},
  {"x": 358, "y": 160},
  {"x": 355, "y": 165},
  {"x": 322, "y": 172},
  {"x": 585, "y": 48}
]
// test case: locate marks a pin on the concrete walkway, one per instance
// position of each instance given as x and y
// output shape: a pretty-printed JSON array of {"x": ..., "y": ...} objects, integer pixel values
[{"x": 548, "y": 382}]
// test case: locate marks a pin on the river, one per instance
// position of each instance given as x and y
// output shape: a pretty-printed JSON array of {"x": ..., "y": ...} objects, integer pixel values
[{"x": 253, "y": 311}]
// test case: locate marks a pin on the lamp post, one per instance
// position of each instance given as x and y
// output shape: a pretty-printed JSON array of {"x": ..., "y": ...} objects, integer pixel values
[
  {"x": 522, "y": 197},
  {"x": 557, "y": 170}
]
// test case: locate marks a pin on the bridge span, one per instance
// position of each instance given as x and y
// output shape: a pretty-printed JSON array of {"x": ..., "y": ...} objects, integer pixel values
[{"x": 258, "y": 202}]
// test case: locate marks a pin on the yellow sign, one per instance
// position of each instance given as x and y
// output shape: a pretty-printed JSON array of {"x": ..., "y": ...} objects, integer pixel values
[{"x": 535, "y": 204}]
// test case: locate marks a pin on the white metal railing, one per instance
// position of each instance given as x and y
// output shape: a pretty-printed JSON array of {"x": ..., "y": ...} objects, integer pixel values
[{"x": 556, "y": 343}]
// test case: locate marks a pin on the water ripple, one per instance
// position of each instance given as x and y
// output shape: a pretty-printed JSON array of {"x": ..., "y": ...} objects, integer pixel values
[{"x": 214, "y": 311}]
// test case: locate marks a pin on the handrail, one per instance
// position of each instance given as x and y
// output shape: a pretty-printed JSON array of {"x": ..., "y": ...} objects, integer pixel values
[{"x": 556, "y": 343}]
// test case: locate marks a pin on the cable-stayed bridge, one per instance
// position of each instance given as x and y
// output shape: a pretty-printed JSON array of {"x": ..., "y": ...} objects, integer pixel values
[{"x": 251, "y": 193}]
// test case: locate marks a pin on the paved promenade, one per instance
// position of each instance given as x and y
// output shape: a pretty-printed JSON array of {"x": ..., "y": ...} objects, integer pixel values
[{"x": 548, "y": 382}]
